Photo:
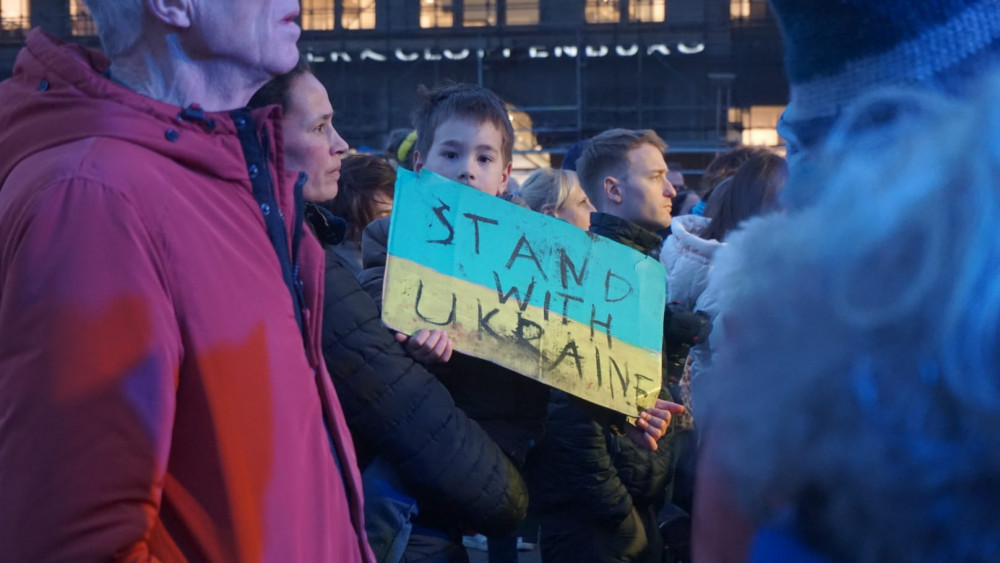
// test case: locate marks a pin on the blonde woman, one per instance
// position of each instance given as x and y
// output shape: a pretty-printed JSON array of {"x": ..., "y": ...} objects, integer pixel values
[{"x": 558, "y": 193}]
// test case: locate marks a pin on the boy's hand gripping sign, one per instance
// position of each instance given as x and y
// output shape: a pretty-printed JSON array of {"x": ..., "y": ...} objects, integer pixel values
[{"x": 529, "y": 292}]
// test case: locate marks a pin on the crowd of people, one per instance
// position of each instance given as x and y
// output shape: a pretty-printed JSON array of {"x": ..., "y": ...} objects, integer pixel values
[{"x": 193, "y": 365}]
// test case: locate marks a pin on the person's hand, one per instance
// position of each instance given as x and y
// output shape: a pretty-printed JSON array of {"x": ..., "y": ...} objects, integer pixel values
[
  {"x": 652, "y": 424},
  {"x": 427, "y": 346}
]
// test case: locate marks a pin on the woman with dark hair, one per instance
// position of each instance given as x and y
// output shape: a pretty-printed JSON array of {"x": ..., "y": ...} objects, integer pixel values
[
  {"x": 752, "y": 191},
  {"x": 408, "y": 433},
  {"x": 724, "y": 166},
  {"x": 366, "y": 188},
  {"x": 687, "y": 253},
  {"x": 311, "y": 144}
]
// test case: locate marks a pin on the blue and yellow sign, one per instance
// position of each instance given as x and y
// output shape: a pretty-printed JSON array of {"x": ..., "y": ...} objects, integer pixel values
[{"x": 529, "y": 292}]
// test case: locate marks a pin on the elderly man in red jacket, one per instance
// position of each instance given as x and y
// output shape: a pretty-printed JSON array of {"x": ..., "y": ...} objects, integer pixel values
[{"x": 162, "y": 390}]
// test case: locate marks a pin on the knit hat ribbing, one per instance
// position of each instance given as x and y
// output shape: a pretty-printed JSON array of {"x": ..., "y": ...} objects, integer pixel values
[{"x": 837, "y": 50}]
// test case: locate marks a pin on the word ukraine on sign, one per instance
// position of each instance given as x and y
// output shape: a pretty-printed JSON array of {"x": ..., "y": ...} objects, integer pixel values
[{"x": 529, "y": 292}]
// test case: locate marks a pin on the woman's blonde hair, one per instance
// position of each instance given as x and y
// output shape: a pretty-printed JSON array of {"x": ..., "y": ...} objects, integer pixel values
[{"x": 548, "y": 188}]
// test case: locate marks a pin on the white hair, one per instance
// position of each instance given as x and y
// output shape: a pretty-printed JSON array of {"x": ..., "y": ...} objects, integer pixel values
[
  {"x": 119, "y": 23},
  {"x": 857, "y": 380}
]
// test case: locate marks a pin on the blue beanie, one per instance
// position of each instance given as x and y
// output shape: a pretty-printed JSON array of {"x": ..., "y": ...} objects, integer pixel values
[
  {"x": 573, "y": 154},
  {"x": 837, "y": 50}
]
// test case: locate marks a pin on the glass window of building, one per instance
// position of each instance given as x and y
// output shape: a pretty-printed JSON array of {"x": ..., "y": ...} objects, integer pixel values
[
  {"x": 80, "y": 21},
  {"x": 358, "y": 14},
  {"x": 758, "y": 124},
  {"x": 602, "y": 11},
  {"x": 522, "y": 12},
  {"x": 436, "y": 13},
  {"x": 739, "y": 9},
  {"x": 647, "y": 10},
  {"x": 317, "y": 15},
  {"x": 477, "y": 13},
  {"x": 14, "y": 15},
  {"x": 748, "y": 9}
]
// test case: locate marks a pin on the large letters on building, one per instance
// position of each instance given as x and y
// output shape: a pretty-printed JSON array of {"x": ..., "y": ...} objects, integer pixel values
[{"x": 526, "y": 291}]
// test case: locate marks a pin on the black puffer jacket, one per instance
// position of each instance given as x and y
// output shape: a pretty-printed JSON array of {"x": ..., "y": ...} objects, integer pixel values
[
  {"x": 509, "y": 406},
  {"x": 583, "y": 468},
  {"x": 397, "y": 410}
]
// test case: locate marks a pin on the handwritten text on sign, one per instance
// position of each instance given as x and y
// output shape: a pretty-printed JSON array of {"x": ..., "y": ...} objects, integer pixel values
[{"x": 526, "y": 291}]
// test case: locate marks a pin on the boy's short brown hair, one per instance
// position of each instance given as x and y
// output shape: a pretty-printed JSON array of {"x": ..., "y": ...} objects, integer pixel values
[
  {"x": 439, "y": 104},
  {"x": 607, "y": 154}
]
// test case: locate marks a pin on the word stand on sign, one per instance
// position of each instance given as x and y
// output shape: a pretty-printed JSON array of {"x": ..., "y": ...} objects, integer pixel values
[{"x": 526, "y": 291}]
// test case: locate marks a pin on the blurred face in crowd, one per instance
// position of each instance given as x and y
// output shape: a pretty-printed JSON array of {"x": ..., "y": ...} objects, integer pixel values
[
  {"x": 643, "y": 194},
  {"x": 469, "y": 152},
  {"x": 259, "y": 35},
  {"x": 312, "y": 145},
  {"x": 676, "y": 179},
  {"x": 381, "y": 205},
  {"x": 576, "y": 209}
]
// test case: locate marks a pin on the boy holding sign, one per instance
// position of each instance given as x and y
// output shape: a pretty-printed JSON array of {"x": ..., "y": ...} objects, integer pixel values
[{"x": 465, "y": 134}]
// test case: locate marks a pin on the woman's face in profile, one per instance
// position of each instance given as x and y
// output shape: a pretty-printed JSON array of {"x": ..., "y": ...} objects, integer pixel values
[{"x": 576, "y": 209}]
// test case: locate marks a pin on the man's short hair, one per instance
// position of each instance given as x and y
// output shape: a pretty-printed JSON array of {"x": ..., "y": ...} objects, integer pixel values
[
  {"x": 440, "y": 104},
  {"x": 119, "y": 23},
  {"x": 607, "y": 154}
]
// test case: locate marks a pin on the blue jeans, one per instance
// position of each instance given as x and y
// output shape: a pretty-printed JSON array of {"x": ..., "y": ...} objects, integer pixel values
[{"x": 388, "y": 512}]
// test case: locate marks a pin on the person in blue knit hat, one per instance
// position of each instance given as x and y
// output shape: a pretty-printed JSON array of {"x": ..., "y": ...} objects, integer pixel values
[
  {"x": 847, "y": 420},
  {"x": 839, "y": 50}
]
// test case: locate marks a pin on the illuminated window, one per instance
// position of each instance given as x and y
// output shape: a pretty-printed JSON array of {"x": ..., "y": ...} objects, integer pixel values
[
  {"x": 14, "y": 15},
  {"x": 318, "y": 14},
  {"x": 739, "y": 9},
  {"x": 436, "y": 13},
  {"x": 602, "y": 11},
  {"x": 647, "y": 10},
  {"x": 80, "y": 21},
  {"x": 477, "y": 13},
  {"x": 522, "y": 12},
  {"x": 748, "y": 9},
  {"x": 759, "y": 124},
  {"x": 358, "y": 14}
]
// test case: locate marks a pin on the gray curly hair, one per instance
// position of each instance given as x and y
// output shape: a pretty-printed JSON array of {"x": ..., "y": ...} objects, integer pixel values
[{"x": 857, "y": 383}]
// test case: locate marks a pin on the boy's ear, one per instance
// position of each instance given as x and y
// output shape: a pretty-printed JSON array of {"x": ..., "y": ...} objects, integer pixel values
[
  {"x": 506, "y": 176},
  {"x": 418, "y": 161},
  {"x": 613, "y": 189},
  {"x": 176, "y": 13}
]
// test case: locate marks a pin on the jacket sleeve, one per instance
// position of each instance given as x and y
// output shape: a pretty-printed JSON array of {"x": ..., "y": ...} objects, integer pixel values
[
  {"x": 374, "y": 250},
  {"x": 396, "y": 408},
  {"x": 89, "y": 357},
  {"x": 573, "y": 467}
]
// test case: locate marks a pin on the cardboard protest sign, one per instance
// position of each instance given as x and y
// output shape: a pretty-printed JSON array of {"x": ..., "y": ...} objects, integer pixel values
[{"x": 526, "y": 291}]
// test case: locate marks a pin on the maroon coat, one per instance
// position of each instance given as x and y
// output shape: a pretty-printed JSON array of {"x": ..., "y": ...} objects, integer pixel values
[{"x": 156, "y": 402}]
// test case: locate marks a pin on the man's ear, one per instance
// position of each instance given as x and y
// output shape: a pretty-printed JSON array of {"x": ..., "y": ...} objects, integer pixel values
[
  {"x": 548, "y": 209},
  {"x": 613, "y": 190},
  {"x": 418, "y": 161},
  {"x": 175, "y": 13}
]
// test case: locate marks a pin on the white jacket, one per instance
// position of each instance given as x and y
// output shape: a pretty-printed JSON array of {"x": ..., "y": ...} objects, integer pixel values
[{"x": 688, "y": 259}]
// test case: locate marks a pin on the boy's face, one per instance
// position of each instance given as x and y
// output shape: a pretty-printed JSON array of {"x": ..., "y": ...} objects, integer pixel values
[{"x": 467, "y": 151}]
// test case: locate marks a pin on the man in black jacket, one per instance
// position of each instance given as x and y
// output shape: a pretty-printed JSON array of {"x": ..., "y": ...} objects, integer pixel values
[{"x": 598, "y": 495}]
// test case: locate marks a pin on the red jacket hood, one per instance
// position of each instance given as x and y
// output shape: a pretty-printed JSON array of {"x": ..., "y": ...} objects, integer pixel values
[{"x": 60, "y": 93}]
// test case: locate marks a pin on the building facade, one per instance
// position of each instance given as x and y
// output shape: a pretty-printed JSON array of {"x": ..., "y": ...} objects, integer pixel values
[{"x": 705, "y": 74}]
